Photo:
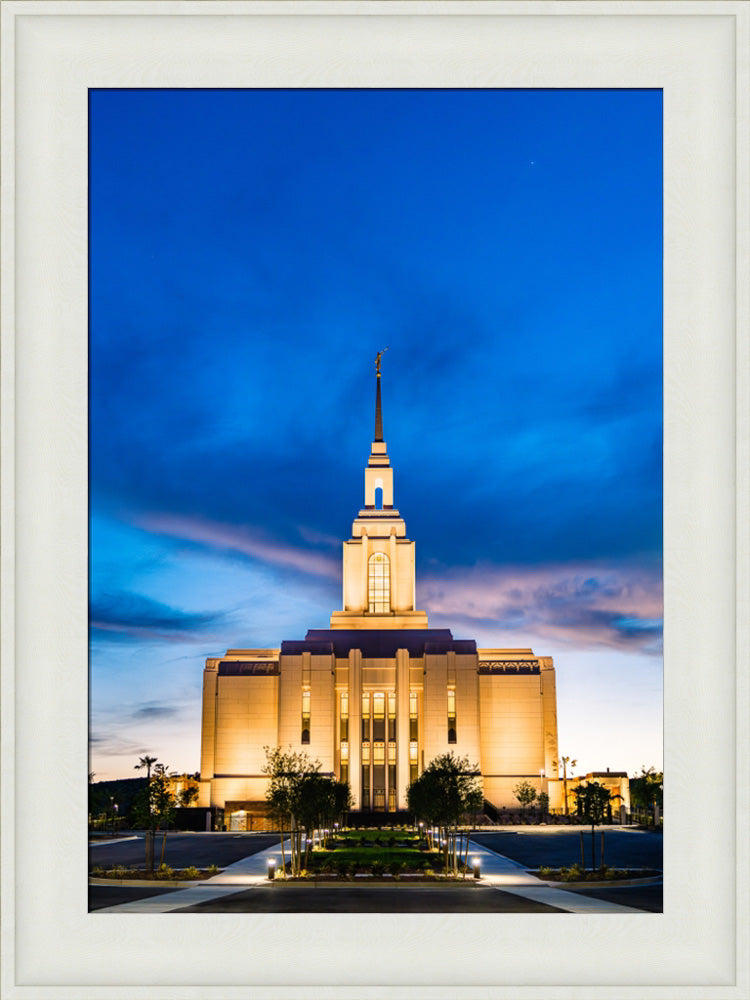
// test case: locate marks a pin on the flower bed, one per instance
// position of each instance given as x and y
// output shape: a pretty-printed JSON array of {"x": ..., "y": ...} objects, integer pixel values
[
  {"x": 162, "y": 874},
  {"x": 603, "y": 874}
]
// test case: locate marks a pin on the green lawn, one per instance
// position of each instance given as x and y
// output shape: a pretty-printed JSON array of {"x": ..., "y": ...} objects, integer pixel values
[
  {"x": 361, "y": 848},
  {"x": 370, "y": 855}
]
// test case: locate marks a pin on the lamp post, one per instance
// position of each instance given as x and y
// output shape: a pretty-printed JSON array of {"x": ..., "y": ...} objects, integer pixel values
[{"x": 116, "y": 816}]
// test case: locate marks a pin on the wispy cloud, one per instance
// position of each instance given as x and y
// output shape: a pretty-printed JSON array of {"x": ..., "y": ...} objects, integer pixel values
[
  {"x": 584, "y": 605},
  {"x": 149, "y": 712},
  {"x": 127, "y": 616},
  {"x": 240, "y": 541}
]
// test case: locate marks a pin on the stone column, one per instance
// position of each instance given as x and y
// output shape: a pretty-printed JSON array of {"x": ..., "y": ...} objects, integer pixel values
[
  {"x": 355, "y": 725},
  {"x": 402, "y": 726}
]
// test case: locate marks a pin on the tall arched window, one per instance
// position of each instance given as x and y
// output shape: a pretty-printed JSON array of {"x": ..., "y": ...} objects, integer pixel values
[{"x": 379, "y": 583}]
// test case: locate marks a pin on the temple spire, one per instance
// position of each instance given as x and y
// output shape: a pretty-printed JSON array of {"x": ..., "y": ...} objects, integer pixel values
[{"x": 378, "y": 407}]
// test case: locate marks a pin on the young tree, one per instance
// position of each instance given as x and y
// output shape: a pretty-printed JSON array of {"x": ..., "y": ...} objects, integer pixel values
[
  {"x": 162, "y": 797},
  {"x": 287, "y": 772},
  {"x": 543, "y": 800},
  {"x": 647, "y": 789},
  {"x": 154, "y": 806},
  {"x": 525, "y": 793},
  {"x": 146, "y": 762},
  {"x": 593, "y": 799},
  {"x": 188, "y": 794},
  {"x": 448, "y": 789}
]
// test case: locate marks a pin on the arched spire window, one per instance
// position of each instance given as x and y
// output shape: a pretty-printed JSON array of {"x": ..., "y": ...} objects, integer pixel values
[{"x": 379, "y": 583}]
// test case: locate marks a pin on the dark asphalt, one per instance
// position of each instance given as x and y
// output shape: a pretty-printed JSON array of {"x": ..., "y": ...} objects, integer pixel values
[
  {"x": 183, "y": 849},
  {"x": 557, "y": 847},
  {"x": 642, "y": 897},
  {"x": 112, "y": 895},
  {"x": 375, "y": 899}
]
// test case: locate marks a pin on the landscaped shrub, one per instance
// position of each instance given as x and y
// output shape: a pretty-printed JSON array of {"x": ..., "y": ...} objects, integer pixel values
[
  {"x": 165, "y": 872},
  {"x": 213, "y": 869},
  {"x": 191, "y": 872},
  {"x": 377, "y": 868},
  {"x": 395, "y": 868}
]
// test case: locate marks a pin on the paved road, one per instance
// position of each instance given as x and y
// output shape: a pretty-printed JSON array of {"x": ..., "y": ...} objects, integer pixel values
[
  {"x": 556, "y": 846},
  {"x": 374, "y": 899},
  {"x": 505, "y": 887},
  {"x": 113, "y": 895},
  {"x": 183, "y": 849},
  {"x": 641, "y": 897}
]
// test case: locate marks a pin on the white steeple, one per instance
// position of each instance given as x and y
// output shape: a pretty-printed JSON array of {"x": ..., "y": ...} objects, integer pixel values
[{"x": 378, "y": 582}]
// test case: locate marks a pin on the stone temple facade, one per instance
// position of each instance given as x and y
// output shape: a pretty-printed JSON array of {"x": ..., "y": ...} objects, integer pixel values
[{"x": 378, "y": 694}]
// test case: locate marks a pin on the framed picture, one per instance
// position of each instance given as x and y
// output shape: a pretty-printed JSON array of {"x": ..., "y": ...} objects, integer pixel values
[{"x": 56, "y": 59}]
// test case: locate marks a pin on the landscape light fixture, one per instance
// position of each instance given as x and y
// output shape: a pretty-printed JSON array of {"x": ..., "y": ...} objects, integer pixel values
[
  {"x": 271, "y": 869},
  {"x": 476, "y": 866}
]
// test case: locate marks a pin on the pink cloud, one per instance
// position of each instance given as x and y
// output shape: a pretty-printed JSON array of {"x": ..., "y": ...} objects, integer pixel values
[
  {"x": 231, "y": 538},
  {"x": 589, "y": 604}
]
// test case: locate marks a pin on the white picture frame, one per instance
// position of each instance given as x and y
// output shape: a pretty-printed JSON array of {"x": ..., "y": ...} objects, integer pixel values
[{"x": 52, "y": 53}]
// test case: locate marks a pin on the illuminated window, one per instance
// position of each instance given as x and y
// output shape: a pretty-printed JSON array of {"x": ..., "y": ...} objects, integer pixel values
[
  {"x": 365, "y": 716},
  {"x": 378, "y": 753},
  {"x": 365, "y": 753},
  {"x": 413, "y": 752},
  {"x": 379, "y": 584},
  {"x": 413, "y": 715},
  {"x": 344, "y": 751},
  {"x": 305, "y": 715},
  {"x": 344, "y": 716},
  {"x": 366, "y": 787},
  {"x": 391, "y": 753},
  {"x": 378, "y": 716},
  {"x": 451, "y": 715},
  {"x": 391, "y": 715}
]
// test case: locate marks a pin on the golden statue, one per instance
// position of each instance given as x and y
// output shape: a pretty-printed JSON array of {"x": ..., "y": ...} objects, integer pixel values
[{"x": 377, "y": 359}]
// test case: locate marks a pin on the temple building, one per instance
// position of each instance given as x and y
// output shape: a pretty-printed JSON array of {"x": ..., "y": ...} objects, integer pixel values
[{"x": 378, "y": 694}]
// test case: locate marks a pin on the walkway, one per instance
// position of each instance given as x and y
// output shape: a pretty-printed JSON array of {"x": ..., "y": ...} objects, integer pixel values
[
  {"x": 498, "y": 872},
  {"x": 502, "y": 873},
  {"x": 237, "y": 877}
]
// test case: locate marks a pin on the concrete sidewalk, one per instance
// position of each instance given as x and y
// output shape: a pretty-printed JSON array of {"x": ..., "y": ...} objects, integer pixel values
[
  {"x": 243, "y": 874},
  {"x": 503, "y": 873},
  {"x": 497, "y": 871}
]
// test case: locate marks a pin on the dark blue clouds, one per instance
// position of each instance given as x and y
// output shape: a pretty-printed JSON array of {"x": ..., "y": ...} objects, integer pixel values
[
  {"x": 133, "y": 617},
  {"x": 251, "y": 250}
]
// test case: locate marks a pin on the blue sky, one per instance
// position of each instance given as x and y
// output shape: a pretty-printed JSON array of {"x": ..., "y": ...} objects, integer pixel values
[{"x": 250, "y": 253}]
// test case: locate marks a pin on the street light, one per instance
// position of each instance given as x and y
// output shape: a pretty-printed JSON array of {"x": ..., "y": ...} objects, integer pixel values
[{"x": 117, "y": 816}]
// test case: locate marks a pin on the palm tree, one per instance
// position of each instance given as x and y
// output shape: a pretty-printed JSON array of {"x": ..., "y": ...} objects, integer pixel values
[
  {"x": 146, "y": 762},
  {"x": 565, "y": 761}
]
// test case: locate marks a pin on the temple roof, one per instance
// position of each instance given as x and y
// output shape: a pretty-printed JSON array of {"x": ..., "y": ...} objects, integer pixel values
[{"x": 378, "y": 643}]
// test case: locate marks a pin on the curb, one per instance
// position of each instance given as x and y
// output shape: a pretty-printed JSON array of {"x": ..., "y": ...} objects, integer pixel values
[
  {"x": 150, "y": 883},
  {"x": 605, "y": 883}
]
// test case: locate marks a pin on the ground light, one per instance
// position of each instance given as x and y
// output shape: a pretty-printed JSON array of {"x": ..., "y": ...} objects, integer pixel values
[
  {"x": 476, "y": 866},
  {"x": 271, "y": 869}
]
